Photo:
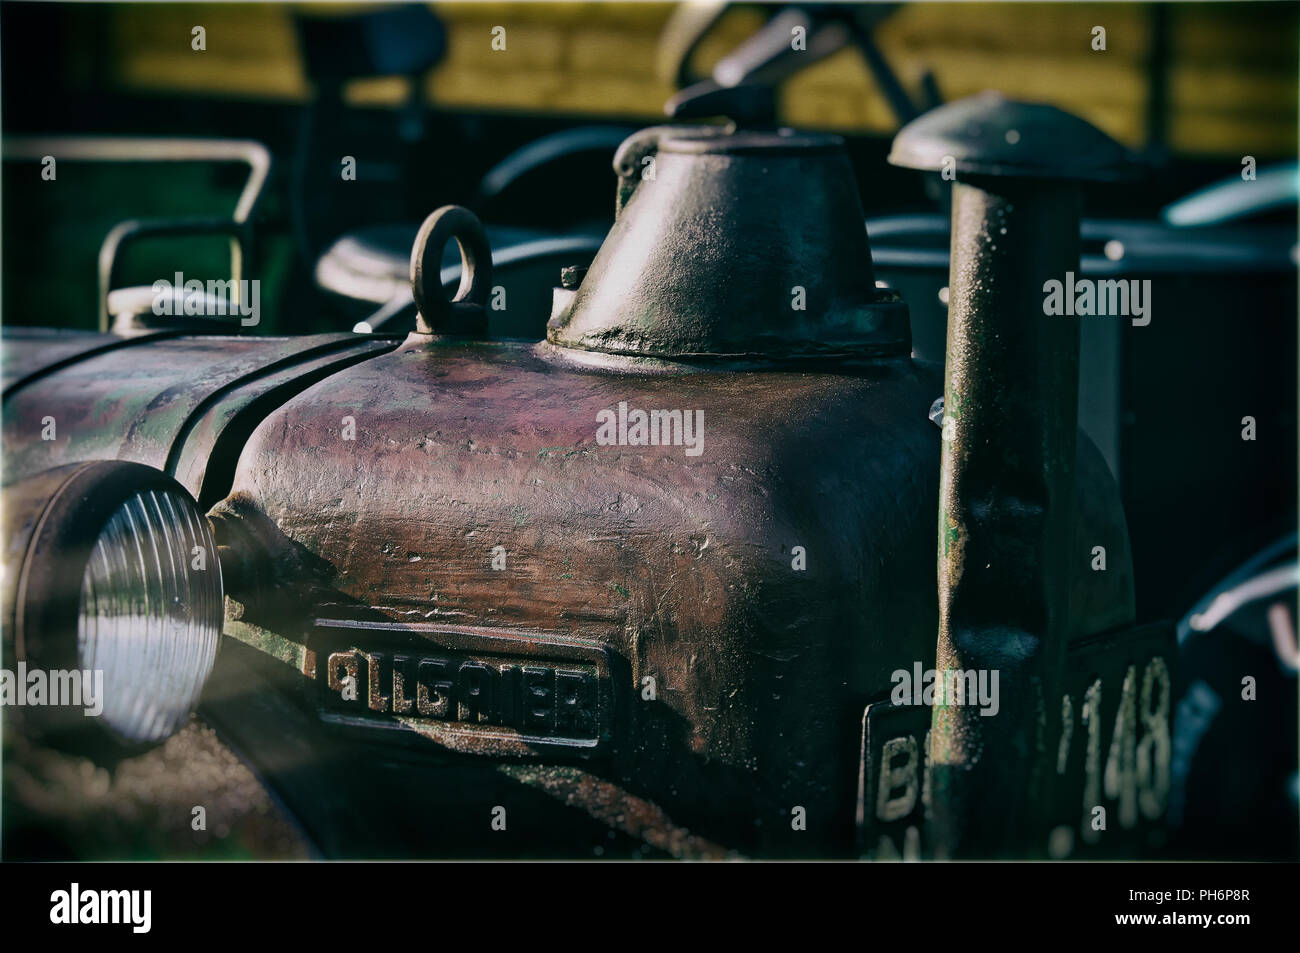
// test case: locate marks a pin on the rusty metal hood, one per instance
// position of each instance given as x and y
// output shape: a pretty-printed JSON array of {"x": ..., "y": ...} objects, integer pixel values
[
  {"x": 450, "y": 504},
  {"x": 173, "y": 401}
]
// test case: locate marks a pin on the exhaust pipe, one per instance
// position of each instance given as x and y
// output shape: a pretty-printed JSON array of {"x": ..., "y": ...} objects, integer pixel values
[{"x": 1006, "y": 499}]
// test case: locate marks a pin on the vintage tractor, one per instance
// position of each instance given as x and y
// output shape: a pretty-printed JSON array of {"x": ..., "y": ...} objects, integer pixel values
[{"x": 660, "y": 580}]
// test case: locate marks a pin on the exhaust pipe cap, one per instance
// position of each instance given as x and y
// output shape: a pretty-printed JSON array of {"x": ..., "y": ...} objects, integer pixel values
[{"x": 991, "y": 135}]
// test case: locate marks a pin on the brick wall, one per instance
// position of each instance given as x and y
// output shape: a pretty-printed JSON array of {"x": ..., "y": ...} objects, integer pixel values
[{"x": 1232, "y": 75}]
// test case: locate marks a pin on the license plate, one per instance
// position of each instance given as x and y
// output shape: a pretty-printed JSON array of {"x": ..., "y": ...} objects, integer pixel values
[{"x": 1110, "y": 761}]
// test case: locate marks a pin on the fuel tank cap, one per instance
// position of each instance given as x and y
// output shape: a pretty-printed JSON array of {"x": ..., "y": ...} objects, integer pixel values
[{"x": 732, "y": 245}]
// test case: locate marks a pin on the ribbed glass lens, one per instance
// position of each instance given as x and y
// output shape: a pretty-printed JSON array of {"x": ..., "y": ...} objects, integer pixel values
[{"x": 151, "y": 613}]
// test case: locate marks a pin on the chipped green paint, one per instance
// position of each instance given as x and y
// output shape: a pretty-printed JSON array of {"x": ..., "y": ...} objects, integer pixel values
[
  {"x": 277, "y": 647},
  {"x": 951, "y": 534},
  {"x": 569, "y": 454}
]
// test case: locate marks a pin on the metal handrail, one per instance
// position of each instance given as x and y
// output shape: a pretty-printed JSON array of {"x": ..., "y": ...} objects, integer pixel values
[{"x": 156, "y": 149}]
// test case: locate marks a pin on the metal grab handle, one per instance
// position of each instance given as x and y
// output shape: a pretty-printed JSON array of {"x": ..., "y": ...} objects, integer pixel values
[
  {"x": 132, "y": 230},
  {"x": 466, "y": 313},
  {"x": 138, "y": 149}
]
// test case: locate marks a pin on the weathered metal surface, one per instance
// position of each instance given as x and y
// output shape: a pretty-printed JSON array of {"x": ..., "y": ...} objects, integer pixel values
[
  {"x": 28, "y": 354},
  {"x": 681, "y": 567},
  {"x": 1007, "y": 540},
  {"x": 140, "y": 401},
  {"x": 733, "y": 245},
  {"x": 203, "y": 458},
  {"x": 1006, "y": 495}
]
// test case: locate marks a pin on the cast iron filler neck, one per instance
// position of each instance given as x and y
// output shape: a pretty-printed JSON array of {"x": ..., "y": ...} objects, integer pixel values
[{"x": 732, "y": 245}]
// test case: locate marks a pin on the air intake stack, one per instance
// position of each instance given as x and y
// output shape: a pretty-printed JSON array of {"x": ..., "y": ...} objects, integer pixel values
[{"x": 1006, "y": 508}]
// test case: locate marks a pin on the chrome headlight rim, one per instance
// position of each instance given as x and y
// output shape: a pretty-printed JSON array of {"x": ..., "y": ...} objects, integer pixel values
[{"x": 63, "y": 512}]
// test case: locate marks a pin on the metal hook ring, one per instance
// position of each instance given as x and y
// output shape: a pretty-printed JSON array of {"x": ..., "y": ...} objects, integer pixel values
[{"x": 466, "y": 312}]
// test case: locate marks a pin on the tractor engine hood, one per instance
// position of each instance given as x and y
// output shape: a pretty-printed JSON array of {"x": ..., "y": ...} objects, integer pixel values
[
  {"x": 673, "y": 549},
  {"x": 654, "y": 566}
]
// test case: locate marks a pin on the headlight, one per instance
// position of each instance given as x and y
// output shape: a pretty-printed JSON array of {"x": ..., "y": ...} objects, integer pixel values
[
  {"x": 149, "y": 619},
  {"x": 119, "y": 574}
]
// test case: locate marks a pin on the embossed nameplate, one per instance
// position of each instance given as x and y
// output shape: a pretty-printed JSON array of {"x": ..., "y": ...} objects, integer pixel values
[{"x": 475, "y": 690}]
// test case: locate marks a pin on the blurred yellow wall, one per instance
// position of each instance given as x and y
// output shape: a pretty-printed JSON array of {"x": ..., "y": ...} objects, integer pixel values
[{"x": 1232, "y": 77}]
